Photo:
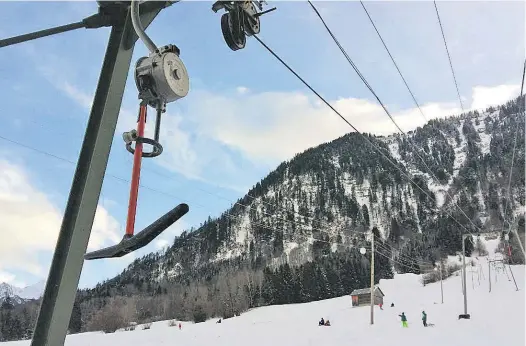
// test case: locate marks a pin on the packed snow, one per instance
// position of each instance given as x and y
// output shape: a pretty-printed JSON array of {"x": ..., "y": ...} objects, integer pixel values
[{"x": 497, "y": 318}]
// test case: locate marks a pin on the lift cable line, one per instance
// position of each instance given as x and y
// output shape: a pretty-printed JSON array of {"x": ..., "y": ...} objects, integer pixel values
[
  {"x": 352, "y": 126},
  {"x": 516, "y": 233},
  {"x": 448, "y": 56},
  {"x": 390, "y": 116},
  {"x": 152, "y": 47},
  {"x": 394, "y": 62},
  {"x": 514, "y": 147},
  {"x": 319, "y": 222}
]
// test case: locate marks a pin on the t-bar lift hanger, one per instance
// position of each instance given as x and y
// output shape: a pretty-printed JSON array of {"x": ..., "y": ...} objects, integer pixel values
[{"x": 160, "y": 78}]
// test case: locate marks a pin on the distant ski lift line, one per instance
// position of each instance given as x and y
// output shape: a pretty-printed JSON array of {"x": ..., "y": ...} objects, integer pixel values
[
  {"x": 364, "y": 80},
  {"x": 352, "y": 126}
]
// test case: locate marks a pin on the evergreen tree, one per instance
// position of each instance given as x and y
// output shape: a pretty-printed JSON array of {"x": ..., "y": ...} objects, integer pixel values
[{"x": 75, "y": 322}]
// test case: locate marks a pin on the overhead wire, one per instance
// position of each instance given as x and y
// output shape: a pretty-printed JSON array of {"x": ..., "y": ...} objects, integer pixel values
[
  {"x": 303, "y": 227},
  {"x": 389, "y": 114},
  {"x": 339, "y": 114},
  {"x": 448, "y": 55},
  {"x": 346, "y": 121},
  {"x": 320, "y": 222},
  {"x": 514, "y": 148},
  {"x": 396, "y": 253},
  {"x": 393, "y": 60}
]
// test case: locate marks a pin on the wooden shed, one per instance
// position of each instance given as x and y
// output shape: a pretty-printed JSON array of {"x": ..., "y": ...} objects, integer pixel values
[{"x": 362, "y": 296}]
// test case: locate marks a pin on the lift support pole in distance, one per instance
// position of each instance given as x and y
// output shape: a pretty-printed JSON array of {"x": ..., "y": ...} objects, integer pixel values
[
  {"x": 465, "y": 315},
  {"x": 64, "y": 274}
]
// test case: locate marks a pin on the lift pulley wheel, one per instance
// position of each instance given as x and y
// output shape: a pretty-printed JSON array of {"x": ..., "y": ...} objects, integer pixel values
[
  {"x": 162, "y": 76},
  {"x": 241, "y": 19},
  {"x": 233, "y": 31}
]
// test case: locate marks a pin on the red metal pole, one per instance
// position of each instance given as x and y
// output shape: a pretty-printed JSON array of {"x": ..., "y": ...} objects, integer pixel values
[{"x": 136, "y": 173}]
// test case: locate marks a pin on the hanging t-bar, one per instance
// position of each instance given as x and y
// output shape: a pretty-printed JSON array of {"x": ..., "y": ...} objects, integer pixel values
[
  {"x": 161, "y": 78},
  {"x": 131, "y": 242}
]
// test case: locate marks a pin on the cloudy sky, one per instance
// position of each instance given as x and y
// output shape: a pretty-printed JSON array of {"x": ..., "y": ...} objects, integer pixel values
[{"x": 245, "y": 112}]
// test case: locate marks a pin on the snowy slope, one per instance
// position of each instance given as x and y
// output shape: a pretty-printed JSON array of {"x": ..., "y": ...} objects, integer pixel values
[{"x": 497, "y": 318}]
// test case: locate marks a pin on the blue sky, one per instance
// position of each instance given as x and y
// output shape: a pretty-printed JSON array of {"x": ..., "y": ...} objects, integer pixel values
[{"x": 245, "y": 113}]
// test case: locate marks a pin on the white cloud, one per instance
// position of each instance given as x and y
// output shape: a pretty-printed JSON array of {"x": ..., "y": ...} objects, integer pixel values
[
  {"x": 162, "y": 244},
  {"x": 167, "y": 237},
  {"x": 10, "y": 279},
  {"x": 30, "y": 223},
  {"x": 270, "y": 127},
  {"x": 105, "y": 230},
  {"x": 242, "y": 90},
  {"x": 179, "y": 154},
  {"x": 84, "y": 99},
  {"x": 483, "y": 96}
]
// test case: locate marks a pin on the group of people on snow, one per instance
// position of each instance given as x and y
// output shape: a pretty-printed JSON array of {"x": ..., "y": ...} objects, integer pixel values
[
  {"x": 403, "y": 318},
  {"x": 324, "y": 323}
]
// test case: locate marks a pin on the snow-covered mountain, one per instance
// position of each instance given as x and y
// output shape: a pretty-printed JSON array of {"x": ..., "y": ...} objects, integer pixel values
[
  {"x": 294, "y": 237},
  {"x": 18, "y": 294},
  {"x": 322, "y": 199}
]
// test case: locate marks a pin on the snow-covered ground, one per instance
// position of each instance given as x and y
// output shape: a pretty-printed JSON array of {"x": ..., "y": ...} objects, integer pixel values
[{"x": 497, "y": 318}]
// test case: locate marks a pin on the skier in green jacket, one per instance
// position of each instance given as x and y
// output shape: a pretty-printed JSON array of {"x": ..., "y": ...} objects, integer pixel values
[
  {"x": 404, "y": 320},
  {"x": 424, "y": 318}
]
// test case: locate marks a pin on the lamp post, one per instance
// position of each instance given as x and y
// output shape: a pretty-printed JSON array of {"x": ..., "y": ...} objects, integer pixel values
[
  {"x": 363, "y": 251},
  {"x": 441, "y": 287}
]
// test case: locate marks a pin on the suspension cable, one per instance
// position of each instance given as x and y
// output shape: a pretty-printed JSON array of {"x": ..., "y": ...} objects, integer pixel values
[
  {"x": 449, "y": 56},
  {"x": 393, "y": 60},
  {"x": 513, "y": 151},
  {"x": 389, "y": 114},
  {"x": 352, "y": 126}
]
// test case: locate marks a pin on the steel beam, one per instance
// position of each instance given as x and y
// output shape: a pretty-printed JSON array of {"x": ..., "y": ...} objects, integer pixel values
[{"x": 66, "y": 267}]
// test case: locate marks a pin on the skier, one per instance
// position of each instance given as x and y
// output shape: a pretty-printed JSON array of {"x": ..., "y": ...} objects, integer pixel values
[
  {"x": 424, "y": 318},
  {"x": 180, "y": 326},
  {"x": 392, "y": 305},
  {"x": 404, "y": 320},
  {"x": 381, "y": 306},
  {"x": 322, "y": 322}
]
